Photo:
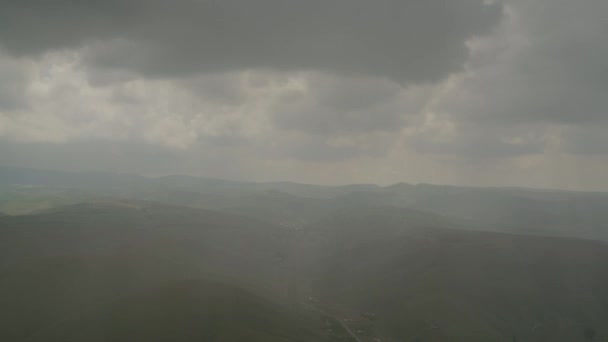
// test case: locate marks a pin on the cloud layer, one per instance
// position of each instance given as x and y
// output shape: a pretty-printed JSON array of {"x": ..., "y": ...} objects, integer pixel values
[
  {"x": 460, "y": 91},
  {"x": 408, "y": 41}
]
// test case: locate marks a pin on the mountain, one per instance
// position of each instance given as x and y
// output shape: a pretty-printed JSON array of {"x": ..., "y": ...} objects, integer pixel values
[
  {"x": 526, "y": 211},
  {"x": 118, "y": 270},
  {"x": 198, "y": 238},
  {"x": 293, "y": 205},
  {"x": 211, "y": 185},
  {"x": 35, "y": 177},
  {"x": 405, "y": 276},
  {"x": 126, "y": 270},
  {"x": 84, "y": 256}
]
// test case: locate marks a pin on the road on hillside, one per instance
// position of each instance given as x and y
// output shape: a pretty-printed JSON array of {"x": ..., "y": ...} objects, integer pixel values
[
  {"x": 337, "y": 319},
  {"x": 345, "y": 327}
]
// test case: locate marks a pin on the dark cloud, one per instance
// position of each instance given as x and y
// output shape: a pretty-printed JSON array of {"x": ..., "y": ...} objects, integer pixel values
[
  {"x": 13, "y": 84},
  {"x": 117, "y": 156},
  {"x": 409, "y": 41},
  {"x": 32, "y": 27},
  {"x": 216, "y": 157},
  {"x": 480, "y": 142},
  {"x": 585, "y": 140},
  {"x": 329, "y": 106},
  {"x": 319, "y": 151},
  {"x": 548, "y": 65},
  {"x": 436, "y": 90},
  {"x": 353, "y": 93},
  {"x": 223, "y": 89},
  {"x": 478, "y": 148}
]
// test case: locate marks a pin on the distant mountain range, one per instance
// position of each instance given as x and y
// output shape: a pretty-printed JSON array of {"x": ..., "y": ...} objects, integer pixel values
[{"x": 526, "y": 211}]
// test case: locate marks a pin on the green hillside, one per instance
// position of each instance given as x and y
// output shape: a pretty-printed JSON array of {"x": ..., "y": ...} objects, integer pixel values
[
  {"x": 109, "y": 269},
  {"x": 193, "y": 311},
  {"x": 421, "y": 280}
]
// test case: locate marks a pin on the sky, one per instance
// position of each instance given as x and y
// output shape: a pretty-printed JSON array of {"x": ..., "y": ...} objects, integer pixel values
[{"x": 466, "y": 92}]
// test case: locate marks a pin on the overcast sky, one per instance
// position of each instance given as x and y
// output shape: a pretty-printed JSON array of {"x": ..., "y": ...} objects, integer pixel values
[{"x": 470, "y": 92}]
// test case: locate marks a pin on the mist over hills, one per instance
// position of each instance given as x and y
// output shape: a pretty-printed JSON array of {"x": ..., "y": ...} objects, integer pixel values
[
  {"x": 165, "y": 115},
  {"x": 124, "y": 258},
  {"x": 518, "y": 210}
]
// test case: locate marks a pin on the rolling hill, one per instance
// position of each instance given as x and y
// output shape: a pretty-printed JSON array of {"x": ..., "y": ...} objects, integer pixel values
[
  {"x": 194, "y": 310},
  {"x": 404, "y": 262},
  {"x": 293, "y": 205},
  {"x": 421, "y": 280},
  {"x": 83, "y": 256}
]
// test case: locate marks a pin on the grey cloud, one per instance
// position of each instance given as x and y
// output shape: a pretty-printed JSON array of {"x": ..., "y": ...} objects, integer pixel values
[
  {"x": 569, "y": 58},
  {"x": 535, "y": 87},
  {"x": 119, "y": 156},
  {"x": 224, "y": 88},
  {"x": 344, "y": 106},
  {"x": 479, "y": 142},
  {"x": 213, "y": 157},
  {"x": 319, "y": 151},
  {"x": 13, "y": 84},
  {"x": 104, "y": 77},
  {"x": 32, "y": 27},
  {"x": 353, "y": 94},
  {"x": 409, "y": 41},
  {"x": 549, "y": 64},
  {"x": 326, "y": 150},
  {"x": 585, "y": 140},
  {"x": 308, "y": 116},
  {"x": 478, "y": 148},
  {"x": 436, "y": 90}
]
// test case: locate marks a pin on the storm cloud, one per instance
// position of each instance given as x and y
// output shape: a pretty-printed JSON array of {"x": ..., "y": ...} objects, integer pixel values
[
  {"x": 461, "y": 91},
  {"x": 408, "y": 41}
]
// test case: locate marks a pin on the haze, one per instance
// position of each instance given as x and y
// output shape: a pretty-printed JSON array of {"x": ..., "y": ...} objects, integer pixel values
[{"x": 303, "y": 170}]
